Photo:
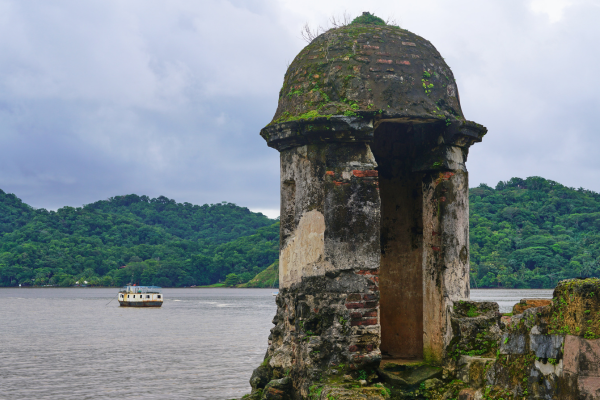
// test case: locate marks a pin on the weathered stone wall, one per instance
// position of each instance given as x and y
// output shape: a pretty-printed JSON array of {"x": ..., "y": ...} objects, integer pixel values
[
  {"x": 374, "y": 251},
  {"x": 328, "y": 304},
  {"x": 547, "y": 352},
  {"x": 446, "y": 256}
]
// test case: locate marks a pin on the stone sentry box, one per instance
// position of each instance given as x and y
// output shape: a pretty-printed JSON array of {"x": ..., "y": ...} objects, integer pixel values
[{"x": 374, "y": 246}]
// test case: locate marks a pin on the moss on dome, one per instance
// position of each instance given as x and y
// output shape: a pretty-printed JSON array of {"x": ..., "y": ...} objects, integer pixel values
[
  {"x": 371, "y": 69},
  {"x": 367, "y": 19}
]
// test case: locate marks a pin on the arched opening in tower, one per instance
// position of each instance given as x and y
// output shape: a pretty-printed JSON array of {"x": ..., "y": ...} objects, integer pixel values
[{"x": 396, "y": 147}]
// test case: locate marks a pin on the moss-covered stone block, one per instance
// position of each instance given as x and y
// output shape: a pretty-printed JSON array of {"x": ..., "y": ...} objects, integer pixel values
[
  {"x": 474, "y": 370},
  {"x": 525, "y": 304},
  {"x": 476, "y": 329},
  {"x": 408, "y": 375},
  {"x": 575, "y": 308}
]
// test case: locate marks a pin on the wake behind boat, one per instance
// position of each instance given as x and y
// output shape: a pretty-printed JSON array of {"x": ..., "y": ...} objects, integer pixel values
[{"x": 140, "y": 296}]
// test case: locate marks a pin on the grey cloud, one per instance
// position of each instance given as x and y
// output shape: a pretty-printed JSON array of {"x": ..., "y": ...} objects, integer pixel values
[{"x": 101, "y": 98}]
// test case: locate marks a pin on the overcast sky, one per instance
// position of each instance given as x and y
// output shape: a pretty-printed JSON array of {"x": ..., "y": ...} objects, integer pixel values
[{"x": 110, "y": 97}]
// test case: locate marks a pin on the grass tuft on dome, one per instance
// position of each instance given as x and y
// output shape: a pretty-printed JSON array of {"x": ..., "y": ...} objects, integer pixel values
[{"x": 368, "y": 19}]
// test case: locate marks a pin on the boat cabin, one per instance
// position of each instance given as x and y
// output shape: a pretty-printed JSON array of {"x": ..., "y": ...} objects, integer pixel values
[{"x": 140, "y": 296}]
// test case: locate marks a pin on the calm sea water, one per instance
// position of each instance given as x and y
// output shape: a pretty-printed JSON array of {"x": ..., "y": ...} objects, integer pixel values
[
  {"x": 71, "y": 344},
  {"x": 76, "y": 343}
]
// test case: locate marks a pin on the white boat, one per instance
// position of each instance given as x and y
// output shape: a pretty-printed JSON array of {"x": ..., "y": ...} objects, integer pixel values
[{"x": 140, "y": 296}]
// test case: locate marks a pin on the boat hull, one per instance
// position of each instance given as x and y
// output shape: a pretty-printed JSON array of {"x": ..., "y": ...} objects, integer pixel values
[{"x": 140, "y": 303}]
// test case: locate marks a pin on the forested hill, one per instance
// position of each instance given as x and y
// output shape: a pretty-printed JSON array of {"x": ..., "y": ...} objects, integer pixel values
[
  {"x": 533, "y": 232},
  {"x": 133, "y": 238},
  {"x": 218, "y": 223},
  {"x": 13, "y": 212},
  {"x": 524, "y": 233}
]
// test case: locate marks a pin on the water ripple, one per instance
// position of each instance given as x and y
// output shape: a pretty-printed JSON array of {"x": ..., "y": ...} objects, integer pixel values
[{"x": 68, "y": 344}]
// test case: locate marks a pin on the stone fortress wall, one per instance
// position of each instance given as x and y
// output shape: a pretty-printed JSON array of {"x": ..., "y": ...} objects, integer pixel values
[{"x": 374, "y": 245}]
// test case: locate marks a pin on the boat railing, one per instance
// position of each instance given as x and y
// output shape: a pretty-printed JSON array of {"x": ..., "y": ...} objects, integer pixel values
[{"x": 141, "y": 289}]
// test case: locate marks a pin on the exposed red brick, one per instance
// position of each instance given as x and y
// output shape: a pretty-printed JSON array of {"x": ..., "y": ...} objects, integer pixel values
[
  {"x": 383, "y": 53},
  {"x": 353, "y": 349},
  {"x": 331, "y": 173},
  {"x": 356, "y": 315},
  {"x": 368, "y": 272},
  {"x": 366, "y": 173},
  {"x": 442, "y": 198},
  {"x": 370, "y": 314},
  {"x": 366, "y": 46},
  {"x": 403, "y": 62},
  {"x": 364, "y": 322},
  {"x": 524, "y": 304},
  {"x": 371, "y": 304},
  {"x": 408, "y": 44},
  {"x": 374, "y": 279},
  {"x": 381, "y": 61},
  {"x": 435, "y": 248},
  {"x": 369, "y": 347},
  {"x": 364, "y": 59},
  {"x": 354, "y": 305},
  {"x": 338, "y": 183},
  {"x": 353, "y": 297},
  {"x": 369, "y": 297}
]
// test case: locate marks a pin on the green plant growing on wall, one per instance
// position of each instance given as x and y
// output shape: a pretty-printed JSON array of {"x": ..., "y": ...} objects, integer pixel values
[
  {"x": 427, "y": 86},
  {"x": 367, "y": 19}
]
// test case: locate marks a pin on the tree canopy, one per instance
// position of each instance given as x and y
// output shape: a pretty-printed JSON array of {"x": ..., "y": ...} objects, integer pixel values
[
  {"x": 133, "y": 239},
  {"x": 530, "y": 233},
  {"x": 524, "y": 233}
]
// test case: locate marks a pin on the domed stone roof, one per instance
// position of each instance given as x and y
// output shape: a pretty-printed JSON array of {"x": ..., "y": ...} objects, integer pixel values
[{"x": 369, "y": 69}]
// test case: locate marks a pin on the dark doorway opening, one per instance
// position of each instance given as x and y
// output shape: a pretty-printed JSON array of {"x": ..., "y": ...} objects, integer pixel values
[{"x": 401, "y": 269}]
